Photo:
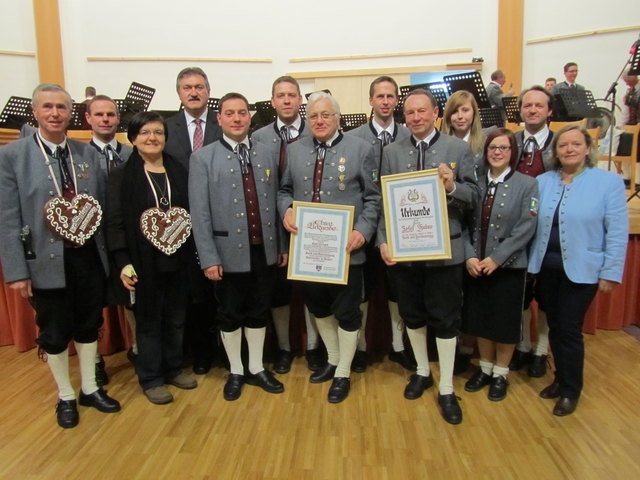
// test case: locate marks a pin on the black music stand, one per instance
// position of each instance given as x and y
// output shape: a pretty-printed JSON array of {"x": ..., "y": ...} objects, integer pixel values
[
  {"x": 141, "y": 94},
  {"x": 127, "y": 109},
  {"x": 303, "y": 110},
  {"x": 511, "y": 107},
  {"x": 572, "y": 104},
  {"x": 78, "y": 121},
  {"x": 349, "y": 121},
  {"x": 472, "y": 83},
  {"x": 265, "y": 113},
  {"x": 490, "y": 117},
  {"x": 16, "y": 113}
]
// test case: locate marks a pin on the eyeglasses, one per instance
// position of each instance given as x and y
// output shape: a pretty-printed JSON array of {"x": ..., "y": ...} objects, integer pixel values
[
  {"x": 502, "y": 148},
  {"x": 148, "y": 133},
  {"x": 324, "y": 115}
]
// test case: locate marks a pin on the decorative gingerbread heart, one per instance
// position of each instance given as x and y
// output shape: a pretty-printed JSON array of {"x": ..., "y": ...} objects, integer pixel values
[
  {"x": 75, "y": 221},
  {"x": 166, "y": 231}
]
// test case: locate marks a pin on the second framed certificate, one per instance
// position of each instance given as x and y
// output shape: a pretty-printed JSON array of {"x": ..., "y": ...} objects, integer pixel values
[
  {"x": 415, "y": 215},
  {"x": 318, "y": 252}
]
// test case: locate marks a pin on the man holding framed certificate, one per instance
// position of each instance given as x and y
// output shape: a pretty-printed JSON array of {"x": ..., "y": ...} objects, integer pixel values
[
  {"x": 333, "y": 169},
  {"x": 430, "y": 290}
]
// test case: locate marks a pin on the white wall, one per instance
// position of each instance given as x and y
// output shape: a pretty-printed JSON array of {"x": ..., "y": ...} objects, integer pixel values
[
  {"x": 18, "y": 75},
  {"x": 286, "y": 29}
]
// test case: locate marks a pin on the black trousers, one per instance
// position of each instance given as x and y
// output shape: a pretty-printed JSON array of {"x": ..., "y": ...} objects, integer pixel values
[
  {"x": 430, "y": 296},
  {"x": 565, "y": 304},
  {"x": 73, "y": 312},
  {"x": 244, "y": 298},
  {"x": 343, "y": 301}
]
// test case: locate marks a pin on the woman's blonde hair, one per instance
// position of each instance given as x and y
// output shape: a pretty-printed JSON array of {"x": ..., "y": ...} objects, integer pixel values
[{"x": 459, "y": 98}]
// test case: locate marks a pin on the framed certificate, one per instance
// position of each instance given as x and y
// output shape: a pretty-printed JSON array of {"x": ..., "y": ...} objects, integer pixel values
[
  {"x": 318, "y": 252},
  {"x": 415, "y": 215}
]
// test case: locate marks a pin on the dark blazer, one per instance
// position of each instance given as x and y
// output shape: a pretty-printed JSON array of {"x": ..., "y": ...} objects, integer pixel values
[
  {"x": 178, "y": 141},
  {"x": 129, "y": 195}
]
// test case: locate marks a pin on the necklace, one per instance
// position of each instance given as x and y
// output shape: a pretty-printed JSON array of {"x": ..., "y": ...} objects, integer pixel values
[{"x": 165, "y": 192}]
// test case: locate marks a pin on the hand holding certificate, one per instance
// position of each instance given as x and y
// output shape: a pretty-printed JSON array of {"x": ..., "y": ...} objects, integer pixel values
[
  {"x": 416, "y": 220},
  {"x": 319, "y": 250}
]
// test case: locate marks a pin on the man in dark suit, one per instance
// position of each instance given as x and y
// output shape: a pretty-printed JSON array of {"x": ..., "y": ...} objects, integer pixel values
[
  {"x": 288, "y": 127},
  {"x": 103, "y": 117},
  {"x": 188, "y": 131},
  {"x": 64, "y": 281},
  {"x": 381, "y": 131},
  {"x": 430, "y": 292}
]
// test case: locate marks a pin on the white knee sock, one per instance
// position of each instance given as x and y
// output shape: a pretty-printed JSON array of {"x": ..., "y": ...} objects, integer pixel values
[
  {"x": 525, "y": 343},
  {"x": 447, "y": 355},
  {"x": 542, "y": 348},
  {"x": 328, "y": 329},
  {"x": 255, "y": 341},
  {"x": 232, "y": 342},
  {"x": 418, "y": 340},
  {"x": 348, "y": 342},
  {"x": 362, "y": 338},
  {"x": 131, "y": 319},
  {"x": 86, "y": 358},
  {"x": 59, "y": 366},
  {"x": 312, "y": 329},
  {"x": 397, "y": 327},
  {"x": 281, "y": 323},
  {"x": 486, "y": 367}
]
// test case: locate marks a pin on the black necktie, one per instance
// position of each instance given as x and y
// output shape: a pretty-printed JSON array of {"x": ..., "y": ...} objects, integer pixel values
[
  {"x": 321, "y": 151},
  {"x": 68, "y": 186},
  {"x": 243, "y": 157},
  {"x": 285, "y": 134},
  {"x": 113, "y": 159},
  {"x": 385, "y": 138},
  {"x": 422, "y": 154}
]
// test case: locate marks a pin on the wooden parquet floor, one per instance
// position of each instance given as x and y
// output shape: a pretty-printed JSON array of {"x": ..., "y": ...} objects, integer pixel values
[{"x": 374, "y": 434}]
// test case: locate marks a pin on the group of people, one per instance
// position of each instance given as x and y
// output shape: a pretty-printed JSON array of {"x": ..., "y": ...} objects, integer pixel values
[{"x": 200, "y": 209}]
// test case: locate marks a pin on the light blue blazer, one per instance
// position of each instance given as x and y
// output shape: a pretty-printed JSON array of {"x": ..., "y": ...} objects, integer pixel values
[{"x": 594, "y": 224}]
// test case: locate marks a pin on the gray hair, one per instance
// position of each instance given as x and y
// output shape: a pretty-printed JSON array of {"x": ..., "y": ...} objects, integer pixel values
[
  {"x": 50, "y": 87},
  {"x": 317, "y": 96},
  {"x": 192, "y": 71}
]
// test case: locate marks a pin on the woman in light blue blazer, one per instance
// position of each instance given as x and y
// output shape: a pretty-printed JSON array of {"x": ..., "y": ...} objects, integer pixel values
[{"x": 579, "y": 249}]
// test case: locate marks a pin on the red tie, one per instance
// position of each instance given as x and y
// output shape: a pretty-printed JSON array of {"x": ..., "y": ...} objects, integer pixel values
[{"x": 198, "y": 138}]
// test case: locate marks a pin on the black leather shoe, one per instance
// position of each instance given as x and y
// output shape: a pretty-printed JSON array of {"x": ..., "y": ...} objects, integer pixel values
[
  {"x": 450, "y": 409},
  {"x": 551, "y": 391},
  {"x": 266, "y": 381},
  {"x": 233, "y": 387},
  {"x": 404, "y": 358},
  {"x": 314, "y": 359},
  {"x": 100, "y": 401},
  {"x": 359, "y": 362},
  {"x": 283, "y": 361},
  {"x": 461, "y": 364},
  {"x": 339, "y": 389},
  {"x": 477, "y": 382},
  {"x": 498, "y": 388},
  {"x": 67, "y": 413},
  {"x": 538, "y": 366},
  {"x": 520, "y": 359},
  {"x": 201, "y": 368},
  {"x": 417, "y": 385},
  {"x": 565, "y": 406},
  {"x": 101, "y": 374},
  {"x": 325, "y": 374}
]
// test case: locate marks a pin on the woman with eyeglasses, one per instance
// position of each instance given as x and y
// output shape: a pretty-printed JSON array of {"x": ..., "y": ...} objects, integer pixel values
[
  {"x": 496, "y": 242},
  {"x": 579, "y": 249},
  {"x": 146, "y": 220}
]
